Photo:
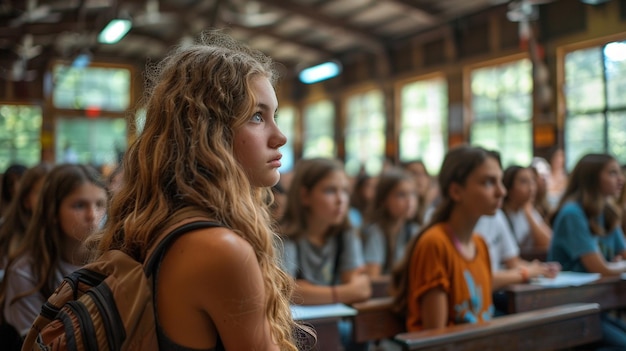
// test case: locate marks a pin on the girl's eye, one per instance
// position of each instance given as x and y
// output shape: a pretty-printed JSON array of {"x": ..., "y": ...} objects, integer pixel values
[{"x": 257, "y": 118}]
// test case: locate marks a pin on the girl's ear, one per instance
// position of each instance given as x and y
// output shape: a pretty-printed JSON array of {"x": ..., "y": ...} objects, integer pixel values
[{"x": 456, "y": 192}]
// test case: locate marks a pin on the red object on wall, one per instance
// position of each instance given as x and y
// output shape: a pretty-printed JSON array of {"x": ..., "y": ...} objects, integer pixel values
[{"x": 92, "y": 112}]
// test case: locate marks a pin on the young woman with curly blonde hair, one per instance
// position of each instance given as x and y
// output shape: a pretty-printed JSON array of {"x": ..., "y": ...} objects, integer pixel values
[{"x": 209, "y": 148}]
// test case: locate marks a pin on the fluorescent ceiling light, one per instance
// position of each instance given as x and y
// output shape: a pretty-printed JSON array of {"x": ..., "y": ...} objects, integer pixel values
[
  {"x": 320, "y": 72},
  {"x": 114, "y": 31}
]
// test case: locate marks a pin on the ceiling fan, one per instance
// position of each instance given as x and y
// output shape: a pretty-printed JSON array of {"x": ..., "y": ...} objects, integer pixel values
[
  {"x": 35, "y": 13},
  {"x": 25, "y": 52},
  {"x": 523, "y": 12}
]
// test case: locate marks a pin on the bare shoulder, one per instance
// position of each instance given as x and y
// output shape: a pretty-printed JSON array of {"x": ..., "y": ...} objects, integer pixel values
[{"x": 211, "y": 246}]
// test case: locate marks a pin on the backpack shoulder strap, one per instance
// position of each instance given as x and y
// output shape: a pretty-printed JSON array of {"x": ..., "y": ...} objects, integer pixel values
[{"x": 155, "y": 254}]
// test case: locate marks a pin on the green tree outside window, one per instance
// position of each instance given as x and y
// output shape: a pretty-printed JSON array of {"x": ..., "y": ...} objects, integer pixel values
[
  {"x": 423, "y": 126},
  {"x": 319, "y": 130},
  {"x": 365, "y": 133},
  {"x": 502, "y": 110},
  {"x": 595, "y": 86},
  {"x": 20, "y": 135}
]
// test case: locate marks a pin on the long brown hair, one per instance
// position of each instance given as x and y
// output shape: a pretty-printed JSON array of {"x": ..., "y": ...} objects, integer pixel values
[
  {"x": 457, "y": 166},
  {"x": 307, "y": 173},
  {"x": 422, "y": 204},
  {"x": 183, "y": 160},
  {"x": 378, "y": 212},
  {"x": 44, "y": 237},
  {"x": 18, "y": 214},
  {"x": 584, "y": 187}
]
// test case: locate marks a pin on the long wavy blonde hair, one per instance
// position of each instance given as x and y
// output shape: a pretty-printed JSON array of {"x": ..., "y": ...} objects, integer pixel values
[{"x": 197, "y": 97}]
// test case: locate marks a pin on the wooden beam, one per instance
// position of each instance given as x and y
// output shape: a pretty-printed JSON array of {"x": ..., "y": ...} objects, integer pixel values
[{"x": 364, "y": 37}]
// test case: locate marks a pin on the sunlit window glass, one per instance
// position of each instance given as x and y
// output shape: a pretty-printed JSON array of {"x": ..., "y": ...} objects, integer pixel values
[
  {"x": 595, "y": 86},
  {"x": 319, "y": 130},
  {"x": 91, "y": 87},
  {"x": 20, "y": 135},
  {"x": 423, "y": 125},
  {"x": 98, "y": 141},
  {"x": 286, "y": 119},
  {"x": 502, "y": 110},
  {"x": 365, "y": 133}
]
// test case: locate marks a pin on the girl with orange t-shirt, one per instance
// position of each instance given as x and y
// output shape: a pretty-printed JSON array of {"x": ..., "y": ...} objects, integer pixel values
[{"x": 445, "y": 277}]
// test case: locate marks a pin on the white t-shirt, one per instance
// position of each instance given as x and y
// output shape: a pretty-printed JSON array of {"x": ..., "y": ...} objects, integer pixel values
[
  {"x": 20, "y": 279},
  {"x": 500, "y": 241},
  {"x": 521, "y": 228}
]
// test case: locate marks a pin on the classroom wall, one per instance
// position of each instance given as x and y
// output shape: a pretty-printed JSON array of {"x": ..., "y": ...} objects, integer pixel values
[{"x": 452, "y": 49}]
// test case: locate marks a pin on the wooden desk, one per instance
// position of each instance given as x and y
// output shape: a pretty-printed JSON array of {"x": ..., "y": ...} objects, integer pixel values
[
  {"x": 608, "y": 292},
  {"x": 327, "y": 332},
  {"x": 324, "y": 319},
  {"x": 553, "y": 328},
  {"x": 375, "y": 320},
  {"x": 380, "y": 286}
]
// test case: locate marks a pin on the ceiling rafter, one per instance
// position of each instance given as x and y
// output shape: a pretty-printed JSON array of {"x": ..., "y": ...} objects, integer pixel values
[
  {"x": 270, "y": 33},
  {"x": 364, "y": 37},
  {"x": 429, "y": 12}
]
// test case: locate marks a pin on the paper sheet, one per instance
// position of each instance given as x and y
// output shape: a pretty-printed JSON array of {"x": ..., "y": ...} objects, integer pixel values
[
  {"x": 321, "y": 311},
  {"x": 566, "y": 279}
]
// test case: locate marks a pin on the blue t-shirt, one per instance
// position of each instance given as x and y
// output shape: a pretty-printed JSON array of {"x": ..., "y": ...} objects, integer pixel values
[{"x": 572, "y": 238}]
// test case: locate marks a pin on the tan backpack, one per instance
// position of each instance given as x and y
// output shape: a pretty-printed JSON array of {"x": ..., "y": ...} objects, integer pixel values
[{"x": 107, "y": 304}]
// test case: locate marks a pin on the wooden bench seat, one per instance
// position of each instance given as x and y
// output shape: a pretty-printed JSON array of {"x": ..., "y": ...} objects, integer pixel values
[{"x": 551, "y": 328}]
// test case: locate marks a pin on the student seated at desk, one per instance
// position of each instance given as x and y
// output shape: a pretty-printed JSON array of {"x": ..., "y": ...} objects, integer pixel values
[
  {"x": 527, "y": 226},
  {"x": 320, "y": 250},
  {"x": 506, "y": 264},
  {"x": 389, "y": 222},
  {"x": 445, "y": 277},
  {"x": 587, "y": 232}
]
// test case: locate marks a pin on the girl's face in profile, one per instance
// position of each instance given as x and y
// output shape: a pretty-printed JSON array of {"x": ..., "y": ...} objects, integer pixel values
[
  {"x": 328, "y": 200},
  {"x": 401, "y": 202},
  {"x": 82, "y": 210},
  {"x": 483, "y": 190},
  {"x": 611, "y": 179},
  {"x": 256, "y": 143}
]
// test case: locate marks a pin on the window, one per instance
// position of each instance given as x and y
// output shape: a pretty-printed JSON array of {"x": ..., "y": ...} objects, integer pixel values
[
  {"x": 423, "y": 124},
  {"x": 595, "y": 86},
  {"x": 319, "y": 130},
  {"x": 94, "y": 141},
  {"x": 286, "y": 119},
  {"x": 365, "y": 133},
  {"x": 91, "y": 105},
  {"x": 20, "y": 135},
  {"x": 101, "y": 88},
  {"x": 502, "y": 110}
]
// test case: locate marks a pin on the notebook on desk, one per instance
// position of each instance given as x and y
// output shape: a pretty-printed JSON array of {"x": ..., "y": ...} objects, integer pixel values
[
  {"x": 567, "y": 279},
  {"x": 304, "y": 313}
]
